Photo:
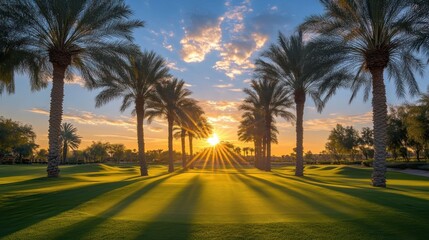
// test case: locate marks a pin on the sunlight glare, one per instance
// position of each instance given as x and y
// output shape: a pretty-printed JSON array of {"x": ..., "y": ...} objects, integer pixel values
[{"x": 213, "y": 140}]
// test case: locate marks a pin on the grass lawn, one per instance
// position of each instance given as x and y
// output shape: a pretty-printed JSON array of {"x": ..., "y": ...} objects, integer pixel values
[{"x": 110, "y": 202}]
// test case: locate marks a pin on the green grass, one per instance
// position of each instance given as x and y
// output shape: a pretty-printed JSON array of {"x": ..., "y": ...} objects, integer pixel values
[{"x": 110, "y": 202}]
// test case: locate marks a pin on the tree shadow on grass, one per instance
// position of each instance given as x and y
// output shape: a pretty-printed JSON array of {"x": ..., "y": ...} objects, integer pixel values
[
  {"x": 22, "y": 211},
  {"x": 81, "y": 228},
  {"x": 406, "y": 214},
  {"x": 159, "y": 228}
]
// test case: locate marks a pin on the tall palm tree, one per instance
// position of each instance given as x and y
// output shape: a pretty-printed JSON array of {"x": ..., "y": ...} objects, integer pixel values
[
  {"x": 169, "y": 100},
  {"x": 300, "y": 68},
  {"x": 69, "y": 138},
  {"x": 272, "y": 99},
  {"x": 64, "y": 38},
  {"x": 372, "y": 36},
  {"x": 251, "y": 129},
  {"x": 134, "y": 84}
]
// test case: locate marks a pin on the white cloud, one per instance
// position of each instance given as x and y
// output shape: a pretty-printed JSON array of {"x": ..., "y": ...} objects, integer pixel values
[{"x": 223, "y": 85}]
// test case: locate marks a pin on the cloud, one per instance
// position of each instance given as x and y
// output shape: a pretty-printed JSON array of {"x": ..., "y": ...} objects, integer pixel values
[
  {"x": 84, "y": 117},
  {"x": 223, "y": 85},
  {"x": 327, "y": 124},
  {"x": 155, "y": 129},
  {"x": 274, "y": 8},
  {"x": 166, "y": 35},
  {"x": 236, "y": 54},
  {"x": 173, "y": 65},
  {"x": 247, "y": 80},
  {"x": 202, "y": 36},
  {"x": 235, "y": 90}
]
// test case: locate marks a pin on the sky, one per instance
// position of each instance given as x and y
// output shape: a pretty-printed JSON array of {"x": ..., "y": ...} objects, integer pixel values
[{"x": 211, "y": 45}]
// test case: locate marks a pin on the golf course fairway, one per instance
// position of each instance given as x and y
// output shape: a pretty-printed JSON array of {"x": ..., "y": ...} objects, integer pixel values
[{"x": 114, "y": 202}]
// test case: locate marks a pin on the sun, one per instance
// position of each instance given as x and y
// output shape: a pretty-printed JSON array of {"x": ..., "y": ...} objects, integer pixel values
[{"x": 213, "y": 140}]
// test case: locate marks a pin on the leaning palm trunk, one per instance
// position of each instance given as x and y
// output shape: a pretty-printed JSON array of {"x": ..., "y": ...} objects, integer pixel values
[
  {"x": 182, "y": 138},
  {"x": 300, "y": 101},
  {"x": 380, "y": 127},
  {"x": 170, "y": 145},
  {"x": 55, "y": 118},
  {"x": 140, "y": 138}
]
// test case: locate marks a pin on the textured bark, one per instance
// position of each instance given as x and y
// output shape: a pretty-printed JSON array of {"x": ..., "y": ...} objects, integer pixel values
[
  {"x": 268, "y": 142},
  {"x": 55, "y": 118},
  {"x": 140, "y": 137},
  {"x": 182, "y": 138},
  {"x": 191, "y": 151},
  {"x": 379, "y": 108},
  {"x": 299, "y": 101},
  {"x": 170, "y": 145}
]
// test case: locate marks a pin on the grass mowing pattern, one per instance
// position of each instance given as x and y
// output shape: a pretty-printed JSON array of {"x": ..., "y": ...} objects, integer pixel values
[{"x": 109, "y": 202}]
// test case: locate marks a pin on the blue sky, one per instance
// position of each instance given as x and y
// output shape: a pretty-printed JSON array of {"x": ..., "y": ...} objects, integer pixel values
[{"x": 211, "y": 44}]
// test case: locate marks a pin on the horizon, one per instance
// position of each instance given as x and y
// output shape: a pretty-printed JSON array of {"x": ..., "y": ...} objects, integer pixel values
[{"x": 211, "y": 45}]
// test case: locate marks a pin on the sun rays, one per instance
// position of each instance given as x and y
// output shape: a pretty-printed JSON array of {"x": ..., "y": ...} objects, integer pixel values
[{"x": 218, "y": 156}]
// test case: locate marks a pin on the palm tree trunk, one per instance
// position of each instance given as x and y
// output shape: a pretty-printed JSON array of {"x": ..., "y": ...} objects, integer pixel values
[
  {"x": 182, "y": 138},
  {"x": 140, "y": 137},
  {"x": 170, "y": 145},
  {"x": 55, "y": 118},
  {"x": 65, "y": 148},
  {"x": 379, "y": 107},
  {"x": 191, "y": 151},
  {"x": 300, "y": 102}
]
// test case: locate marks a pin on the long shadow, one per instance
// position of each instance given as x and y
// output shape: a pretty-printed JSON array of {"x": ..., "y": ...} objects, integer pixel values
[
  {"x": 159, "y": 228},
  {"x": 403, "y": 208},
  {"x": 313, "y": 203},
  {"x": 80, "y": 229},
  {"x": 22, "y": 211}
]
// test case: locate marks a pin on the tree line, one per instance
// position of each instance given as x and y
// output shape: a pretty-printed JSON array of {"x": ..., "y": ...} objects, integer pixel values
[{"x": 351, "y": 45}]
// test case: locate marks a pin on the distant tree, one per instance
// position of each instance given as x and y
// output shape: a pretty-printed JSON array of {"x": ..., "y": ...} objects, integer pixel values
[
  {"x": 117, "y": 152},
  {"x": 98, "y": 151},
  {"x": 16, "y": 138},
  {"x": 366, "y": 142},
  {"x": 69, "y": 139},
  {"x": 342, "y": 141},
  {"x": 397, "y": 136}
]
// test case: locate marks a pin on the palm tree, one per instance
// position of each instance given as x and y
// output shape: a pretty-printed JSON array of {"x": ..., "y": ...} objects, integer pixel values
[
  {"x": 64, "y": 38},
  {"x": 273, "y": 100},
  {"x": 69, "y": 138},
  {"x": 372, "y": 36},
  {"x": 300, "y": 68},
  {"x": 251, "y": 129},
  {"x": 187, "y": 122},
  {"x": 134, "y": 84},
  {"x": 169, "y": 100},
  {"x": 200, "y": 129}
]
